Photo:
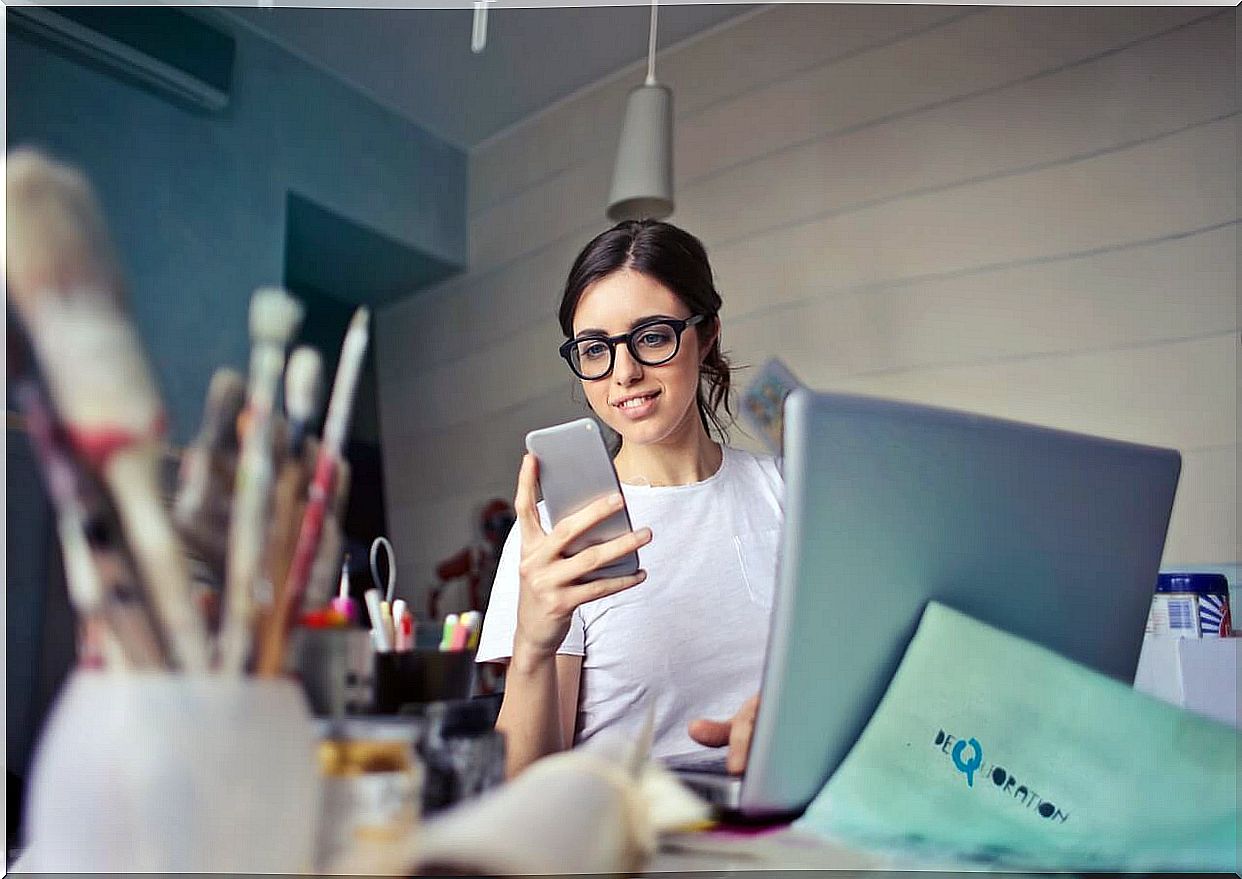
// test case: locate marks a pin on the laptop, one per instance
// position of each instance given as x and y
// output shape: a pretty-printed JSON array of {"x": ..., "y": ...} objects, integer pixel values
[{"x": 1053, "y": 536}]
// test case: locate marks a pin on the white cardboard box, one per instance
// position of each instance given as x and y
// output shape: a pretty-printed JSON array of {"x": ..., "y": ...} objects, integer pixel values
[{"x": 1198, "y": 674}]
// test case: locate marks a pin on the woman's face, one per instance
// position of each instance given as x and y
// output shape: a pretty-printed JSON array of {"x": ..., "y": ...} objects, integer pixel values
[{"x": 645, "y": 404}]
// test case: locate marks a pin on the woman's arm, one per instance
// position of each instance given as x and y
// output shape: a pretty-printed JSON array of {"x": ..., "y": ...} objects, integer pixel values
[
  {"x": 540, "y": 707},
  {"x": 541, "y": 687}
]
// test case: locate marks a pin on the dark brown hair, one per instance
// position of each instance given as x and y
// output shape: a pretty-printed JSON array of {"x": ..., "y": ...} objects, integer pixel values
[{"x": 677, "y": 260}]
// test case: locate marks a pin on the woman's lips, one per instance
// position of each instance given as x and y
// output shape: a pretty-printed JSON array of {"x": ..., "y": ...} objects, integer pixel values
[{"x": 637, "y": 407}]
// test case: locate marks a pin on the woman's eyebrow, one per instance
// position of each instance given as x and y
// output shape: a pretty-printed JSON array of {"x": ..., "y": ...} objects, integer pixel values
[
  {"x": 651, "y": 317},
  {"x": 595, "y": 331}
]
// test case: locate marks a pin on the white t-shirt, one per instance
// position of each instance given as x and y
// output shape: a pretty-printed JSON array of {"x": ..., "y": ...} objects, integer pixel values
[{"x": 690, "y": 639}]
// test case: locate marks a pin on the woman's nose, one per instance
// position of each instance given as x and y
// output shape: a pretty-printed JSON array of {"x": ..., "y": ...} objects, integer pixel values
[{"x": 625, "y": 369}]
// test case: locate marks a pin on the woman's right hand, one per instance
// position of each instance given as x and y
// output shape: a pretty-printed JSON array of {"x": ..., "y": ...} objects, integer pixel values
[{"x": 549, "y": 590}]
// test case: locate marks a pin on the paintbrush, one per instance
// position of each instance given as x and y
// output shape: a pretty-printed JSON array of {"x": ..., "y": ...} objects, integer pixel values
[
  {"x": 115, "y": 620},
  {"x": 274, "y": 318},
  {"x": 66, "y": 287},
  {"x": 322, "y": 582},
  {"x": 208, "y": 469},
  {"x": 99, "y": 577},
  {"x": 302, "y": 386},
  {"x": 303, "y": 383},
  {"x": 336, "y": 425}
]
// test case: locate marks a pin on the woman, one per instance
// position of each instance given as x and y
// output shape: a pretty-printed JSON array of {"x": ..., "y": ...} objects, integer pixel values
[{"x": 685, "y": 636}]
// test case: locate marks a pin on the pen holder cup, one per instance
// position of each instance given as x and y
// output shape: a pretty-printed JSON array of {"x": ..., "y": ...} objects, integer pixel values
[
  {"x": 153, "y": 772},
  {"x": 420, "y": 676},
  {"x": 336, "y": 669}
]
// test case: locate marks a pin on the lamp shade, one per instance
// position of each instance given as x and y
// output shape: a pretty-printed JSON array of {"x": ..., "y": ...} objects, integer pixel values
[{"x": 642, "y": 181}]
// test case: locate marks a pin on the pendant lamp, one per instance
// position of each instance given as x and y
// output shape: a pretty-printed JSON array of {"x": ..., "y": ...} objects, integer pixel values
[{"x": 642, "y": 181}]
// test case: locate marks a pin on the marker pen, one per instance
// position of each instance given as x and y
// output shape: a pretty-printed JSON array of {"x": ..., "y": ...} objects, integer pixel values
[
  {"x": 446, "y": 636},
  {"x": 461, "y": 634},
  {"x": 399, "y": 612},
  {"x": 474, "y": 622},
  {"x": 343, "y": 604},
  {"x": 379, "y": 636}
]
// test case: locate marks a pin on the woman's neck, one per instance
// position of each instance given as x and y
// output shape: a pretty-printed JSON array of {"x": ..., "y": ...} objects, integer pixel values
[{"x": 681, "y": 460}]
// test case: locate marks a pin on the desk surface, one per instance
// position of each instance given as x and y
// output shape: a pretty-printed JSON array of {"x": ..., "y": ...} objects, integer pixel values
[
  {"x": 782, "y": 848},
  {"x": 779, "y": 850}
]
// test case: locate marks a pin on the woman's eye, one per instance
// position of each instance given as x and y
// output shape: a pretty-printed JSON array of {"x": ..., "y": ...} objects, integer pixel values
[
  {"x": 655, "y": 339},
  {"x": 592, "y": 350}
]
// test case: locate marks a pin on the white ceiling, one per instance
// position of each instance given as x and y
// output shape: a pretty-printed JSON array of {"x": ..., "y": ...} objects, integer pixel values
[{"x": 418, "y": 61}]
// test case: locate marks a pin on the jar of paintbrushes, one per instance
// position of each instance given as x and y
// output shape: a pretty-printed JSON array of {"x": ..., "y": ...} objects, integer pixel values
[{"x": 180, "y": 744}]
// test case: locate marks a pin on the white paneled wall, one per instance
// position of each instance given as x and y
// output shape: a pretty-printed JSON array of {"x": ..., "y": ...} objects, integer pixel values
[{"x": 1021, "y": 211}]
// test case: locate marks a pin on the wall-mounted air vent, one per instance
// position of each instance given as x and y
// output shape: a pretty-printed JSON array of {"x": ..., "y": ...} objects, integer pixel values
[{"x": 165, "y": 49}]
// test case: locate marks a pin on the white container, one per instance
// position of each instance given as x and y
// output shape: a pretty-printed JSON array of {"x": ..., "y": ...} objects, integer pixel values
[
  {"x": 153, "y": 772},
  {"x": 1200, "y": 675}
]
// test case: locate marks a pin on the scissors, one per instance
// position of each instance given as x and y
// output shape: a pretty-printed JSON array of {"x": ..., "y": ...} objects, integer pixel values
[{"x": 392, "y": 567}]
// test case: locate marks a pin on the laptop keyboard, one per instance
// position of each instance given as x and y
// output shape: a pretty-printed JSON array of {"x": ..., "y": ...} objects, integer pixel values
[{"x": 714, "y": 764}]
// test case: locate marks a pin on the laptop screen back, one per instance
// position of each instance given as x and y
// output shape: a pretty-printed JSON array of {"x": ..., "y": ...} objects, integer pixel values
[{"x": 1055, "y": 537}]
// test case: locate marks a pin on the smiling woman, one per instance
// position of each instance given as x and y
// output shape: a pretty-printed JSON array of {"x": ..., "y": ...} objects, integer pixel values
[
  {"x": 641, "y": 315},
  {"x": 662, "y": 267}
]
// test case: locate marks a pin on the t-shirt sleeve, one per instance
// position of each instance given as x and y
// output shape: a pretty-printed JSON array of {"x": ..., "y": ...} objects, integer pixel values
[
  {"x": 774, "y": 476},
  {"x": 500, "y": 620}
]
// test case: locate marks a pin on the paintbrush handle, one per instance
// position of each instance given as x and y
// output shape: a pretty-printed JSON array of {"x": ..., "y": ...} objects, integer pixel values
[
  {"x": 131, "y": 476},
  {"x": 271, "y": 652},
  {"x": 288, "y": 503},
  {"x": 244, "y": 563},
  {"x": 344, "y": 385},
  {"x": 125, "y": 628},
  {"x": 251, "y": 502}
]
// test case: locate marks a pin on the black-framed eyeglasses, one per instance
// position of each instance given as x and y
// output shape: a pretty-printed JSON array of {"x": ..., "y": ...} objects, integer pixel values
[{"x": 651, "y": 343}]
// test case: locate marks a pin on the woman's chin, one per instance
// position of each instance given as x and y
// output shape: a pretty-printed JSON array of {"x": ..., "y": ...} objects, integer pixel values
[
  {"x": 636, "y": 433},
  {"x": 644, "y": 432}
]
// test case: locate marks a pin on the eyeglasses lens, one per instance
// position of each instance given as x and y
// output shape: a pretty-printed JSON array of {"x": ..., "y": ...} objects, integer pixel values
[
  {"x": 655, "y": 344},
  {"x": 592, "y": 358}
]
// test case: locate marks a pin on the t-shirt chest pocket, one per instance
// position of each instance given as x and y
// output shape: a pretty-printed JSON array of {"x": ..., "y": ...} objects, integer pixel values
[{"x": 756, "y": 552}]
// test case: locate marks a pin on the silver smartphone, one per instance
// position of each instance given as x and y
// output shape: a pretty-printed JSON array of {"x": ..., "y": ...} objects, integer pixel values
[{"x": 575, "y": 469}]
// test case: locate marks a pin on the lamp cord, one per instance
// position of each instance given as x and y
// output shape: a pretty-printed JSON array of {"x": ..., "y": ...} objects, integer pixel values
[{"x": 651, "y": 46}]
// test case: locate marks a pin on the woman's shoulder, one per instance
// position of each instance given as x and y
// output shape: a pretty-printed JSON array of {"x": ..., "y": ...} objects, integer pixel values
[{"x": 753, "y": 465}]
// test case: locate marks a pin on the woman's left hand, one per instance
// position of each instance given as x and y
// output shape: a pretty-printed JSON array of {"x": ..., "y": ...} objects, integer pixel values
[{"x": 734, "y": 732}]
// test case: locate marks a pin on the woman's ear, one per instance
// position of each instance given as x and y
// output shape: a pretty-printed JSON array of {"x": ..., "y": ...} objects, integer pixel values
[{"x": 712, "y": 337}]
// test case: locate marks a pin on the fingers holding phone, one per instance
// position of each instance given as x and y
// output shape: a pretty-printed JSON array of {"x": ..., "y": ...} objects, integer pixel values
[
  {"x": 581, "y": 493},
  {"x": 591, "y": 551},
  {"x": 550, "y": 583},
  {"x": 600, "y": 556},
  {"x": 525, "y": 502}
]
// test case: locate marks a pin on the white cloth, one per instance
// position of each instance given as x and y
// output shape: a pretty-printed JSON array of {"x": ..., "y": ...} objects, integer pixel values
[{"x": 689, "y": 641}]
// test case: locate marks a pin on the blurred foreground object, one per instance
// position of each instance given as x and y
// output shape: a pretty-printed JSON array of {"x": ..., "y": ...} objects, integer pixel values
[
  {"x": 593, "y": 810},
  {"x": 66, "y": 286},
  {"x": 159, "y": 773}
]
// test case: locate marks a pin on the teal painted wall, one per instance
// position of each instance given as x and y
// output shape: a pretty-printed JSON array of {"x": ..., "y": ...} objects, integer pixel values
[{"x": 197, "y": 202}]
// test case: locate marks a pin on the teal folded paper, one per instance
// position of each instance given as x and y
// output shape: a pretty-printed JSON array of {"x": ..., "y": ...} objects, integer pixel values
[{"x": 991, "y": 750}]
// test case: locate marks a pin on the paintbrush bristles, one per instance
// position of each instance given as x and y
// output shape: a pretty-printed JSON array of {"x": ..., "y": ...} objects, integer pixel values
[
  {"x": 274, "y": 316},
  {"x": 55, "y": 232},
  {"x": 65, "y": 284},
  {"x": 226, "y": 395},
  {"x": 202, "y": 495},
  {"x": 302, "y": 384}
]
